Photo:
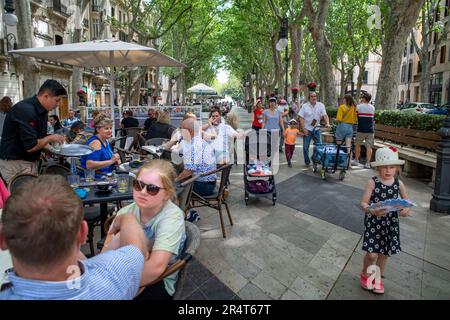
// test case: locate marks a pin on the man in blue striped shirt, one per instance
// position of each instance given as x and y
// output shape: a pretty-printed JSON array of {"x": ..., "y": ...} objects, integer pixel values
[{"x": 42, "y": 226}]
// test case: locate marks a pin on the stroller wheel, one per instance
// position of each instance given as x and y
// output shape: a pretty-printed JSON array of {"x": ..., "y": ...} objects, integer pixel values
[
  {"x": 341, "y": 175},
  {"x": 322, "y": 174},
  {"x": 314, "y": 167}
]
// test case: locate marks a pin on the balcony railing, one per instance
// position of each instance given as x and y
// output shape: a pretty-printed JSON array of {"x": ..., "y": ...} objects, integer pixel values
[
  {"x": 96, "y": 8},
  {"x": 58, "y": 7}
]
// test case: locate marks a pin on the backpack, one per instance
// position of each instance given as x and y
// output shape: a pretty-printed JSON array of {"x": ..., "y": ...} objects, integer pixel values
[{"x": 259, "y": 186}]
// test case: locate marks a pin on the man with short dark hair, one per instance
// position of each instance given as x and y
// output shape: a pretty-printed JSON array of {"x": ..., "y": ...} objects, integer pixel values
[
  {"x": 365, "y": 133},
  {"x": 150, "y": 120},
  {"x": 25, "y": 131},
  {"x": 128, "y": 120},
  {"x": 42, "y": 227}
]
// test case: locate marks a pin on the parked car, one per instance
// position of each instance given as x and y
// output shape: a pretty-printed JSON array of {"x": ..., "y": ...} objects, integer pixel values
[
  {"x": 440, "y": 110},
  {"x": 417, "y": 107}
]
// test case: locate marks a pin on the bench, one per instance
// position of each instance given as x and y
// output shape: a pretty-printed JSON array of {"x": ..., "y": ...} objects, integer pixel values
[{"x": 416, "y": 147}]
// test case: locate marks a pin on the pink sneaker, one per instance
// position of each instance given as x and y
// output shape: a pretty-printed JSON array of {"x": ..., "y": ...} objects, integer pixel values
[
  {"x": 364, "y": 281},
  {"x": 378, "y": 287}
]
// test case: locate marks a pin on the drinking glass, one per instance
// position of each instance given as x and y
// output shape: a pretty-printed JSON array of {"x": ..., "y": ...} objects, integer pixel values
[
  {"x": 122, "y": 183},
  {"x": 90, "y": 175},
  {"x": 74, "y": 180}
]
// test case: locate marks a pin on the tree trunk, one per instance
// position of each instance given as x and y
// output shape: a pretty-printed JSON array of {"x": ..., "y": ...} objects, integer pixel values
[
  {"x": 296, "y": 44},
  {"x": 278, "y": 67},
  {"x": 323, "y": 54},
  {"x": 343, "y": 82},
  {"x": 316, "y": 26},
  {"x": 398, "y": 23},
  {"x": 359, "y": 81},
  {"x": 27, "y": 65}
]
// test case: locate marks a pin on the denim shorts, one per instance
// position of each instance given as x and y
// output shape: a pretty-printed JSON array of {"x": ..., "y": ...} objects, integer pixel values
[{"x": 344, "y": 131}]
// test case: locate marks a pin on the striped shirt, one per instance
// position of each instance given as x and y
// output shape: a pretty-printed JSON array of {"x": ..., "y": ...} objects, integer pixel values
[
  {"x": 113, "y": 275},
  {"x": 198, "y": 157},
  {"x": 366, "y": 117}
]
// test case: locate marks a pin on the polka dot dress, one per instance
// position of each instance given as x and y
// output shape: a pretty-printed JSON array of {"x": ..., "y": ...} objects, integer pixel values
[{"x": 382, "y": 234}]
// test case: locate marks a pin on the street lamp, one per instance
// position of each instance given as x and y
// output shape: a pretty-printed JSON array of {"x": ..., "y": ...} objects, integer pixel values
[
  {"x": 9, "y": 17},
  {"x": 281, "y": 44},
  {"x": 441, "y": 195}
]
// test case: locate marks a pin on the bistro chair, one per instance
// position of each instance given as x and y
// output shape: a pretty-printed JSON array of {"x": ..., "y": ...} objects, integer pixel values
[
  {"x": 190, "y": 247},
  {"x": 184, "y": 199},
  {"x": 218, "y": 198},
  {"x": 18, "y": 180},
  {"x": 57, "y": 169},
  {"x": 156, "y": 141}
]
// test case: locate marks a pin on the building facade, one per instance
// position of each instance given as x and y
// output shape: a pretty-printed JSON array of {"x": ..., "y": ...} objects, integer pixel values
[
  {"x": 370, "y": 79},
  {"x": 53, "y": 23},
  {"x": 410, "y": 72}
]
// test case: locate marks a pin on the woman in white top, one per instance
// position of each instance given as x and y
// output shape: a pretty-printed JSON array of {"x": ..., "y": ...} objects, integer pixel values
[{"x": 219, "y": 135}]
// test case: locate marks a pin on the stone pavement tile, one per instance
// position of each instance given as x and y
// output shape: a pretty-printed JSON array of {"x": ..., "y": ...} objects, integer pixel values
[
  {"x": 269, "y": 285},
  {"x": 324, "y": 266},
  {"x": 438, "y": 254},
  {"x": 408, "y": 280},
  {"x": 240, "y": 264},
  {"x": 188, "y": 289},
  {"x": 252, "y": 292},
  {"x": 289, "y": 249},
  {"x": 437, "y": 271},
  {"x": 197, "y": 273},
  {"x": 284, "y": 270},
  {"x": 345, "y": 238},
  {"x": 298, "y": 239},
  {"x": 406, "y": 258},
  {"x": 316, "y": 277},
  {"x": 434, "y": 287},
  {"x": 197, "y": 295},
  {"x": 230, "y": 277},
  {"x": 213, "y": 289},
  {"x": 290, "y": 295},
  {"x": 334, "y": 254},
  {"x": 307, "y": 290}
]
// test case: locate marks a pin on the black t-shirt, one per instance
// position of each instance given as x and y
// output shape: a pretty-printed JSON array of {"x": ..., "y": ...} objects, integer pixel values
[
  {"x": 148, "y": 122},
  {"x": 160, "y": 130},
  {"x": 130, "y": 122},
  {"x": 24, "y": 125}
]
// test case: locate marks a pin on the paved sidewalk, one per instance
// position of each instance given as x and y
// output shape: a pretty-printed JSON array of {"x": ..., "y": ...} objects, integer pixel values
[{"x": 276, "y": 252}]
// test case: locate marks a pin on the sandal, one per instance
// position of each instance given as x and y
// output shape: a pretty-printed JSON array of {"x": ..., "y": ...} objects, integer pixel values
[
  {"x": 364, "y": 281},
  {"x": 378, "y": 287}
]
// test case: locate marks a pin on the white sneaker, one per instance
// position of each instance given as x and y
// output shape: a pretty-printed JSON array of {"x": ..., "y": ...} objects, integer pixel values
[
  {"x": 355, "y": 163},
  {"x": 367, "y": 165}
]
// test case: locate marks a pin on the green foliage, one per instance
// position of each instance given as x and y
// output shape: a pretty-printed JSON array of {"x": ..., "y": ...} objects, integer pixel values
[{"x": 426, "y": 122}]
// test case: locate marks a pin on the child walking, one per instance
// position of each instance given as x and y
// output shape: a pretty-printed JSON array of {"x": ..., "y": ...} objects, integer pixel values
[
  {"x": 382, "y": 231},
  {"x": 290, "y": 135}
]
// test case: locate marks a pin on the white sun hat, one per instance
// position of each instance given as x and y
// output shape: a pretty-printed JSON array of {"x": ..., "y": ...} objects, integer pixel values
[{"x": 387, "y": 156}]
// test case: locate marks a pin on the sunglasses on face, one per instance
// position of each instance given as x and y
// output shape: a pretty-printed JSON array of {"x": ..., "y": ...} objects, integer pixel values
[{"x": 151, "y": 188}]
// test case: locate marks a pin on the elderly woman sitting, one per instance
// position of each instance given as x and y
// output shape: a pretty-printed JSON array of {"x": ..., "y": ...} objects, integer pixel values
[
  {"x": 102, "y": 160},
  {"x": 163, "y": 223}
]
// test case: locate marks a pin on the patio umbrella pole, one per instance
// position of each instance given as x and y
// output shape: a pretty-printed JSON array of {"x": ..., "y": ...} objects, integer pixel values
[{"x": 112, "y": 93}]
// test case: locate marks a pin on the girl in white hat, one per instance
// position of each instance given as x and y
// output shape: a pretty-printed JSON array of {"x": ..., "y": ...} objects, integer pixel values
[{"x": 382, "y": 231}]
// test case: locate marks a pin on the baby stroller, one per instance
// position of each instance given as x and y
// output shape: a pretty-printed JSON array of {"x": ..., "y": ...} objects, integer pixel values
[{"x": 259, "y": 180}]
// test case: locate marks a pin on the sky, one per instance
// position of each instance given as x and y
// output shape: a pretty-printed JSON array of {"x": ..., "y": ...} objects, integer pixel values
[{"x": 222, "y": 76}]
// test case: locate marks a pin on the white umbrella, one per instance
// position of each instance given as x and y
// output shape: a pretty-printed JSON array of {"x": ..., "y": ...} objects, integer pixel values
[
  {"x": 202, "y": 89},
  {"x": 103, "y": 53}
]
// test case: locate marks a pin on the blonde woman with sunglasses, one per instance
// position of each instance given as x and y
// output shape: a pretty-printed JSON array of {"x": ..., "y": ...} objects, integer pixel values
[{"x": 163, "y": 224}]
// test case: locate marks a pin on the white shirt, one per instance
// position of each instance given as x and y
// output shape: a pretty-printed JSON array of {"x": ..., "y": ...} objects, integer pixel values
[
  {"x": 309, "y": 113},
  {"x": 224, "y": 134},
  {"x": 282, "y": 109}
]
